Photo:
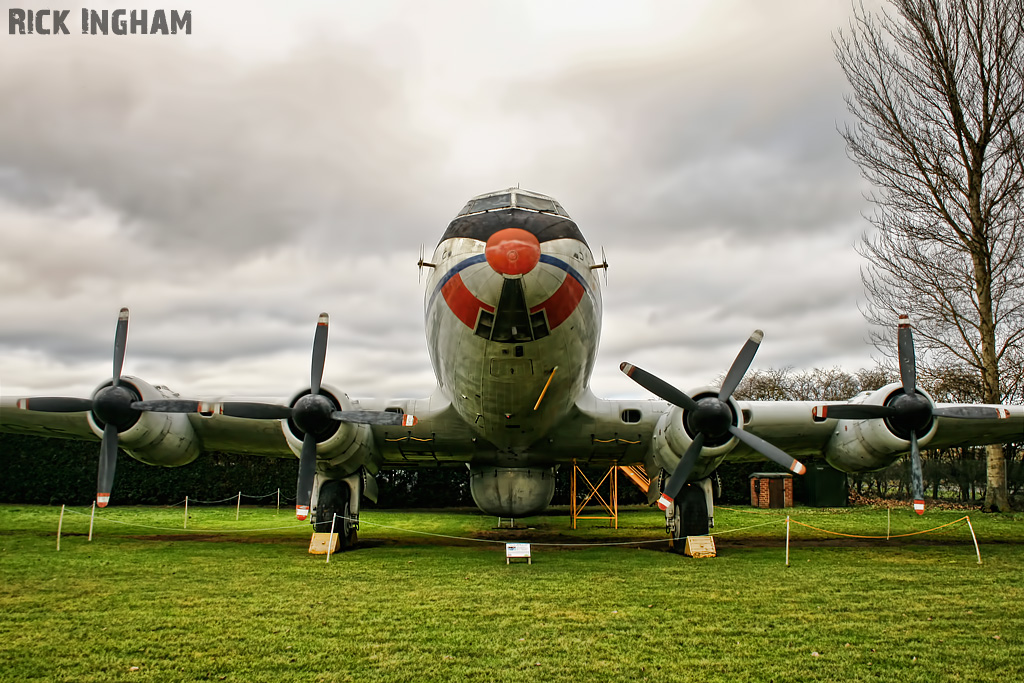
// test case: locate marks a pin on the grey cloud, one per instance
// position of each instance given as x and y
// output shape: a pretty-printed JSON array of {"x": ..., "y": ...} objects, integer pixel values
[{"x": 195, "y": 149}]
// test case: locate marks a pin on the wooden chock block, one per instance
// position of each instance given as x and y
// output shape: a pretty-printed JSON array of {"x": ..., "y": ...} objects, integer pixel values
[
  {"x": 319, "y": 544},
  {"x": 699, "y": 546}
]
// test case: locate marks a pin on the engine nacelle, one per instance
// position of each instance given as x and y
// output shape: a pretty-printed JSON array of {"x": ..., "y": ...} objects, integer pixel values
[
  {"x": 869, "y": 445},
  {"x": 511, "y": 491},
  {"x": 673, "y": 437},
  {"x": 161, "y": 439},
  {"x": 343, "y": 442}
]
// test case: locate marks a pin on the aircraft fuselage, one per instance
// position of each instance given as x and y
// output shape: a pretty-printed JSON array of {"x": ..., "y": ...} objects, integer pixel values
[{"x": 513, "y": 316}]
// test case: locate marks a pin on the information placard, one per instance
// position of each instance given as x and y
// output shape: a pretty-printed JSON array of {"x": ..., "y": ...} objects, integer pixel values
[{"x": 518, "y": 551}]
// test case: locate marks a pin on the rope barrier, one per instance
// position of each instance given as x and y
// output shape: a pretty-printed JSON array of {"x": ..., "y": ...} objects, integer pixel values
[
  {"x": 912, "y": 533},
  {"x": 788, "y": 520},
  {"x": 203, "y": 531}
]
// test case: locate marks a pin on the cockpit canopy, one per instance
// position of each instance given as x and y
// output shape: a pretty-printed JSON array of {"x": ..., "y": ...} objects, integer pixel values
[
  {"x": 488, "y": 213},
  {"x": 513, "y": 198}
]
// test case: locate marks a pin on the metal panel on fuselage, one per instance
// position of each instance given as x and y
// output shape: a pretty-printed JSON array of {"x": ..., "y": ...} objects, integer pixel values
[{"x": 495, "y": 385}]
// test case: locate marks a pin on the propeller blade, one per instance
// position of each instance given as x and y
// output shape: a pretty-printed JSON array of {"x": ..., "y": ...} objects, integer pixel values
[
  {"x": 169, "y": 405},
  {"x": 658, "y": 387},
  {"x": 964, "y": 412},
  {"x": 916, "y": 477},
  {"x": 316, "y": 372},
  {"x": 740, "y": 365},
  {"x": 307, "y": 470},
  {"x": 905, "y": 351},
  {"x": 853, "y": 411},
  {"x": 255, "y": 411},
  {"x": 374, "y": 417},
  {"x": 682, "y": 472},
  {"x": 56, "y": 404},
  {"x": 108, "y": 463},
  {"x": 120, "y": 344},
  {"x": 769, "y": 451}
]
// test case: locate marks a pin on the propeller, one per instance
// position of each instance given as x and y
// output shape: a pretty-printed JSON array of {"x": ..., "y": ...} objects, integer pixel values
[
  {"x": 112, "y": 406},
  {"x": 910, "y": 412},
  {"x": 710, "y": 417},
  {"x": 421, "y": 265},
  {"x": 313, "y": 414}
]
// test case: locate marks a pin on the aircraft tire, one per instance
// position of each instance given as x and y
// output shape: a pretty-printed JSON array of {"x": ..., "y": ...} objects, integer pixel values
[
  {"x": 691, "y": 516},
  {"x": 334, "y": 499}
]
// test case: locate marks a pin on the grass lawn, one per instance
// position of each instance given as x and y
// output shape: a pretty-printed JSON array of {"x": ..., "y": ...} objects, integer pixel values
[{"x": 153, "y": 602}]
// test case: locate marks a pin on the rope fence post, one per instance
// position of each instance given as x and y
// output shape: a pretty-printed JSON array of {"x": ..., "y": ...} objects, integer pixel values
[
  {"x": 279, "y": 500},
  {"x": 330, "y": 539},
  {"x": 59, "y": 525},
  {"x": 787, "y": 540},
  {"x": 92, "y": 519},
  {"x": 186, "y": 513},
  {"x": 238, "y": 506},
  {"x": 888, "y": 522},
  {"x": 976, "y": 548}
]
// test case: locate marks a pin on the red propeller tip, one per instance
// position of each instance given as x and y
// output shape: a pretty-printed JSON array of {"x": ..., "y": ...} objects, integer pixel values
[
  {"x": 122, "y": 314},
  {"x": 22, "y": 404},
  {"x": 626, "y": 368},
  {"x": 798, "y": 467},
  {"x": 664, "y": 502},
  {"x": 102, "y": 499},
  {"x": 919, "y": 507},
  {"x": 302, "y": 512},
  {"x": 323, "y": 319}
]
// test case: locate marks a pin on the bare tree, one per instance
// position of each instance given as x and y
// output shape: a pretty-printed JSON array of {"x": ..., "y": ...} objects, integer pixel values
[{"x": 938, "y": 98}]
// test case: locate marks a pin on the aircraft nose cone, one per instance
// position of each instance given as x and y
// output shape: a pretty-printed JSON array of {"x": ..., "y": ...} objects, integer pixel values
[{"x": 512, "y": 251}]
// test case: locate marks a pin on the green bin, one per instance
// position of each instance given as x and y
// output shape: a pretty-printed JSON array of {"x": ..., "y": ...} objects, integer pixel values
[{"x": 825, "y": 486}]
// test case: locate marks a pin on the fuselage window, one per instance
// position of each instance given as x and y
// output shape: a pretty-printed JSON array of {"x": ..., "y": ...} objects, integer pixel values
[{"x": 630, "y": 415}]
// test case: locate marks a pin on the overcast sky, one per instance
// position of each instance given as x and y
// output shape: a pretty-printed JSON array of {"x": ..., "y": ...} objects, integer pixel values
[{"x": 291, "y": 158}]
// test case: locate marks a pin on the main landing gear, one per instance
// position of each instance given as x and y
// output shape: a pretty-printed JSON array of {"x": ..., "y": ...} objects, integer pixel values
[
  {"x": 690, "y": 515},
  {"x": 334, "y": 502}
]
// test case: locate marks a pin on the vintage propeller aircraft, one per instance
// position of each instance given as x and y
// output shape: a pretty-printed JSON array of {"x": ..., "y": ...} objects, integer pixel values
[{"x": 513, "y": 316}]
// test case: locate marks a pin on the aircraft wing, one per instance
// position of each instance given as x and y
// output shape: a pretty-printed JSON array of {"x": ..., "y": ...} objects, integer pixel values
[
  {"x": 214, "y": 433},
  {"x": 605, "y": 432}
]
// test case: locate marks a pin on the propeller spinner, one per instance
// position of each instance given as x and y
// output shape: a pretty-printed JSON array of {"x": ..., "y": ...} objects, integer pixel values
[{"x": 710, "y": 417}]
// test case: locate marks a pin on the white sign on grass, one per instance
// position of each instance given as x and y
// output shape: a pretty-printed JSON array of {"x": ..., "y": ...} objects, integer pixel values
[{"x": 517, "y": 550}]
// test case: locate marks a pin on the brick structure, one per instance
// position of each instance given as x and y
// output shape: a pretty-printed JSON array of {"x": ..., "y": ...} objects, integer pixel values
[{"x": 771, "y": 490}]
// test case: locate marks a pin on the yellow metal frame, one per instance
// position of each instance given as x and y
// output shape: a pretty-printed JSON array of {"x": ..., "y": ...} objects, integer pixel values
[{"x": 610, "y": 506}]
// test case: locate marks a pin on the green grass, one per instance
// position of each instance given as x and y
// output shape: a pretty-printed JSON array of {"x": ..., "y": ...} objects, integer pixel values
[{"x": 254, "y": 606}]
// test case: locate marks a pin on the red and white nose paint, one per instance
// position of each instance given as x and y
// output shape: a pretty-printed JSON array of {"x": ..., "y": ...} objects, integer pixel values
[{"x": 513, "y": 251}]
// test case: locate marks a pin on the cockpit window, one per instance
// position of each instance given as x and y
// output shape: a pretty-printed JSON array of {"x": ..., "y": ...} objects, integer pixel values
[
  {"x": 525, "y": 201},
  {"x": 500, "y": 201}
]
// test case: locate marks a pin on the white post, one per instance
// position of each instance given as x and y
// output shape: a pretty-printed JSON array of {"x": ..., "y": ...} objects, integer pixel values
[
  {"x": 59, "y": 525},
  {"x": 888, "y": 522},
  {"x": 238, "y": 506},
  {"x": 976, "y": 548},
  {"x": 787, "y": 540},
  {"x": 186, "y": 513},
  {"x": 330, "y": 539},
  {"x": 279, "y": 500},
  {"x": 92, "y": 518}
]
